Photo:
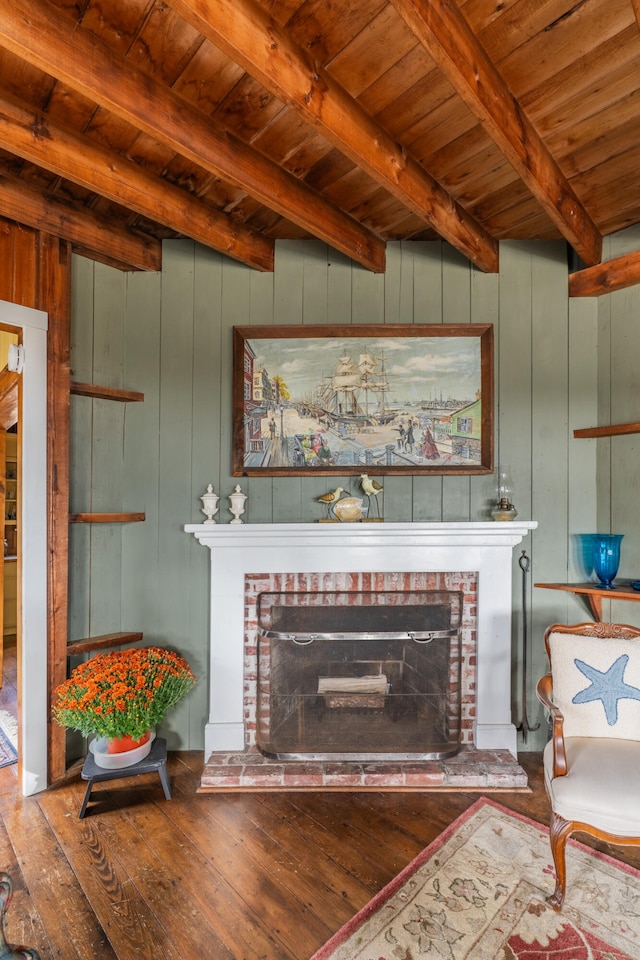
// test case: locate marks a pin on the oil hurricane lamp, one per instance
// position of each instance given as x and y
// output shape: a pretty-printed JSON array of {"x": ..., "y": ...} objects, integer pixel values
[{"x": 504, "y": 508}]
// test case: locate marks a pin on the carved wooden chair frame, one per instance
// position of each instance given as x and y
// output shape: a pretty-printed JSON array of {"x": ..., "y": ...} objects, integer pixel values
[{"x": 560, "y": 829}]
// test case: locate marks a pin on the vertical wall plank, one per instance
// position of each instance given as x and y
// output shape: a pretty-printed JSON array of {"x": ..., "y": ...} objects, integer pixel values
[
  {"x": 211, "y": 378},
  {"x": 456, "y": 304},
  {"x": 236, "y": 311},
  {"x": 513, "y": 373},
  {"x": 550, "y": 406},
  {"x": 260, "y": 489},
  {"x": 289, "y": 301},
  {"x": 603, "y": 447},
  {"x": 398, "y": 291},
  {"x": 606, "y": 349},
  {"x": 210, "y": 381},
  {"x": 485, "y": 308},
  {"x": 81, "y": 415},
  {"x": 548, "y": 463},
  {"x": 107, "y": 449},
  {"x": 367, "y": 296},
  {"x": 429, "y": 309},
  {"x": 176, "y": 446},
  {"x": 514, "y": 423},
  {"x": 398, "y": 308},
  {"x": 315, "y": 271},
  {"x": 317, "y": 310},
  {"x": 141, "y": 596},
  {"x": 339, "y": 273},
  {"x": 583, "y": 411}
]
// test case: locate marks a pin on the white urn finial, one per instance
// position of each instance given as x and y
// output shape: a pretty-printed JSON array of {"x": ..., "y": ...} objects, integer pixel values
[
  {"x": 209, "y": 504},
  {"x": 237, "y": 499}
]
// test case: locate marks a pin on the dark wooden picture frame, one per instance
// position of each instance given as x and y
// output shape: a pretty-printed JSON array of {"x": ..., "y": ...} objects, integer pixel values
[{"x": 340, "y": 400}]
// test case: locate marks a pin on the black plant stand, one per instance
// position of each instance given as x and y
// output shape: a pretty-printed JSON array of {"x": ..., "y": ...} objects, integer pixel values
[{"x": 156, "y": 759}]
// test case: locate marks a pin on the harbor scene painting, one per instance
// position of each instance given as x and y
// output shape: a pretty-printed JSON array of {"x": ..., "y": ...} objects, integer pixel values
[{"x": 342, "y": 400}]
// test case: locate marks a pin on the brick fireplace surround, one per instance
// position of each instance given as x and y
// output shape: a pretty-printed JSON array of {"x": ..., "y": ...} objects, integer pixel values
[{"x": 247, "y": 558}]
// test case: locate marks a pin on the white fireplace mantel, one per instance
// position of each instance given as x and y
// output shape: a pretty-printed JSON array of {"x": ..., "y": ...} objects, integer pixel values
[{"x": 241, "y": 549}]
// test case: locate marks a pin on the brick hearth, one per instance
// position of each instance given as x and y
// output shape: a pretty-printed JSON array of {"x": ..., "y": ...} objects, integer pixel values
[{"x": 470, "y": 769}]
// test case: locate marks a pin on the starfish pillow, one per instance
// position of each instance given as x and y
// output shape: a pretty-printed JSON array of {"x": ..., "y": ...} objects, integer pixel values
[{"x": 596, "y": 685}]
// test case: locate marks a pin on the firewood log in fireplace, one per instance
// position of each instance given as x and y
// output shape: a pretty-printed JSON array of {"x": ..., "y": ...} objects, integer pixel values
[{"x": 367, "y": 691}]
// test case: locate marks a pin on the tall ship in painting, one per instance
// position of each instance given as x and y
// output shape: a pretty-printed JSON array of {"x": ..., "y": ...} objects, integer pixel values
[{"x": 356, "y": 392}]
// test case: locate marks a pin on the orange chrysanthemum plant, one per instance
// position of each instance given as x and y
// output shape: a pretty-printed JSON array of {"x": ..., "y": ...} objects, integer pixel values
[{"x": 124, "y": 693}]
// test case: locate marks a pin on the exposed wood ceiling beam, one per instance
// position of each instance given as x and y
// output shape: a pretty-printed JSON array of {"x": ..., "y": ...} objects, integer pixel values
[
  {"x": 254, "y": 40},
  {"x": 606, "y": 277},
  {"x": 35, "y": 138},
  {"x": 102, "y": 240},
  {"x": 40, "y": 35},
  {"x": 445, "y": 34}
]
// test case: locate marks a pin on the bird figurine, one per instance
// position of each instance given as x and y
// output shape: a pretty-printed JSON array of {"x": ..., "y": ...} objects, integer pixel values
[
  {"x": 328, "y": 499},
  {"x": 372, "y": 488}
]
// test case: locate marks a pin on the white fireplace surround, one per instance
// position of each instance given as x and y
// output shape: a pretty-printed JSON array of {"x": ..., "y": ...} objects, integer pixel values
[{"x": 237, "y": 550}]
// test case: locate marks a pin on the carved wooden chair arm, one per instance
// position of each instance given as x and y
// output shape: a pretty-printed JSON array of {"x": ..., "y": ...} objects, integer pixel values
[{"x": 544, "y": 691}]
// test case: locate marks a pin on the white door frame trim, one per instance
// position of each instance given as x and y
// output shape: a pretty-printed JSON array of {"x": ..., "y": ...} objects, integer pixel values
[{"x": 32, "y": 560}]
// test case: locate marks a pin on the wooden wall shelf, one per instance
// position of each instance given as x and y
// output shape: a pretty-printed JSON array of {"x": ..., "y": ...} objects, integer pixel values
[
  {"x": 594, "y": 594},
  {"x": 610, "y": 431},
  {"x": 106, "y": 393},
  {"x": 103, "y": 642},
  {"x": 106, "y": 517}
]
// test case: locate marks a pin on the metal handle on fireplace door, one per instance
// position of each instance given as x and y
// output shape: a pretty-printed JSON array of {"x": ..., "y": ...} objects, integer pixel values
[
  {"x": 302, "y": 643},
  {"x": 415, "y": 639}
]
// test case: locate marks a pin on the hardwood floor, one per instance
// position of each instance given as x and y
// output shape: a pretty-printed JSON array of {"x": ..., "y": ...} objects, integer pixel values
[{"x": 221, "y": 877}]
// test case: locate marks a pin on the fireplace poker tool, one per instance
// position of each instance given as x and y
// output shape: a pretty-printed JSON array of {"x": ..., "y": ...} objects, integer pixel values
[{"x": 525, "y": 726}]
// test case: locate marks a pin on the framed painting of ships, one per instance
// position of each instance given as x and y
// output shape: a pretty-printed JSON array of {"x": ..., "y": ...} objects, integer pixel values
[{"x": 383, "y": 399}]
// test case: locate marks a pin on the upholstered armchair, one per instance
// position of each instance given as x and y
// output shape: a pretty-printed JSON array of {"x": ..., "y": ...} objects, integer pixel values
[{"x": 592, "y": 761}]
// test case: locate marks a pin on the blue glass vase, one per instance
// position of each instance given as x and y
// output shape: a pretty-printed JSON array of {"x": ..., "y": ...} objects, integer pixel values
[{"x": 606, "y": 557}]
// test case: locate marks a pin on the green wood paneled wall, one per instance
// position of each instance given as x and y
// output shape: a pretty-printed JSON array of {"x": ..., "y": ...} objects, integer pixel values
[{"x": 169, "y": 335}]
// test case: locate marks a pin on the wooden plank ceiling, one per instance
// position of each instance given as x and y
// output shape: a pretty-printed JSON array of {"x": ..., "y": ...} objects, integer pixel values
[{"x": 238, "y": 122}]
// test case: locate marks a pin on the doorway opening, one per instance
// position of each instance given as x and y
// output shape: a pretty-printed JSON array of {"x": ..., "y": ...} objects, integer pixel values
[
  {"x": 10, "y": 503},
  {"x": 31, "y": 326}
]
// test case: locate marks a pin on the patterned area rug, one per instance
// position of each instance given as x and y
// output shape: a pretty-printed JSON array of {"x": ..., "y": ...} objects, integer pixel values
[
  {"x": 8, "y": 739},
  {"x": 478, "y": 893}
]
